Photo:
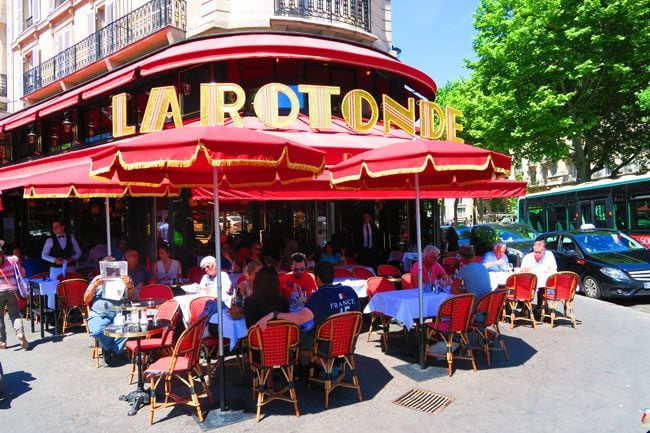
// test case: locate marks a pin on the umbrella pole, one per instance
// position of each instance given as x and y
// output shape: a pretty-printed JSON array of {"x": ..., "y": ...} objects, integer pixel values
[
  {"x": 418, "y": 230},
  {"x": 107, "y": 211},
  {"x": 217, "y": 256}
]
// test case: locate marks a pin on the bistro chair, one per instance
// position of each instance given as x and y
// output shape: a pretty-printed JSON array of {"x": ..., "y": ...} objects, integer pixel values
[
  {"x": 96, "y": 350},
  {"x": 362, "y": 273},
  {"x": 452, "y": 321},
  {"x": 451, "y": 264},
  {"x": 70, "y": 276},
  {"x": 271, "y": 349},
  {"x": 336, "y": 339},
  {"x": 156, "y": 291},
  {"x": 560, "y": 287},
  {"x": 159, "y": 341},
  {"x": 388, "y": 271},
  {"x": 342, "y": 273},
  {"x": 348, "y": 261},
  {"x": 485, "y": 322},
  {"x": 377, "y": 285},
  {"x": 182, "y": 364},
  {"x": 194, "y": 274},
  {"x": 71, "y": 298},
  {"x": 521, "y": 289},
  {"x": 407, "y": 281}
]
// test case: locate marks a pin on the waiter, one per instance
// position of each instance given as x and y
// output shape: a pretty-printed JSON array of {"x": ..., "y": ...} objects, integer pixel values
[{"x": 61, "y": 250}]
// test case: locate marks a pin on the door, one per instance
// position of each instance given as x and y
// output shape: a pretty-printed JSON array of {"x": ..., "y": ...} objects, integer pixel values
[{"x": 594, "y": 212}]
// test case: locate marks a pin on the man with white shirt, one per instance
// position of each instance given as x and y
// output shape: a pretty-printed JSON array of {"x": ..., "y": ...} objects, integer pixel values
[
  {"x": 60, "y": 249},
  {"x": 541, "y": 263}
]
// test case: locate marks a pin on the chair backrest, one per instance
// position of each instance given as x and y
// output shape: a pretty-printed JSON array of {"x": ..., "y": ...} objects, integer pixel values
[
  {"x": 189, "y": 344},
  {"x": 73, "y": 292},
  {"x": 168, "y": 311},
  {"x": 407, "y": 281},
  {"x": 197, "y": 305},
  {"x": 240, "y": 279},
  {"x": 343, "y": 273},
  {"x": 362, "y": 273},
  {"x": 564, "y": 283},
  {"x": 155, "y": 291},
  {"x": 70, "y": 276},
  {"x": 455, "y": 312},
  {"x": 491, "y": 304},
  {"x": 276, "y": 345},
  {"x": 522, "y": 285},
  {"x": 340, "y": 332},
  {"x": 378, "y": 284},
  {"x": 194, "y": 274},
  {"x": 388, "y": 271}
]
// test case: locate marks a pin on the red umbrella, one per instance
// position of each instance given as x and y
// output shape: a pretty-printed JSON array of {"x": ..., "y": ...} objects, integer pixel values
[
  {"x": 187, "y": 156},
  {"x": 209, "y": 155},
  {"x": 420, "y": 164}
]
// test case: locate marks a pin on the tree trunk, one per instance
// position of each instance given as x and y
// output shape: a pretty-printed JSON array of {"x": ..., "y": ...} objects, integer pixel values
[{"x": 581, "y": 162}]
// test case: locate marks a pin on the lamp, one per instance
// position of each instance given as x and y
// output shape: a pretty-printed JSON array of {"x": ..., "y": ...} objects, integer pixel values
[
  {"x": 31, "y": 135},
  {"x": 67, "y": 125},
  {"x": 91, "y": 128},
  {"x": 187, "y": 88}
]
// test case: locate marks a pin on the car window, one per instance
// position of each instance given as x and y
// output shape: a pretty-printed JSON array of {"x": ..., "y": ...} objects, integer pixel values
[
  {"x": 605, "y": 242},
  {"x": 567, "y": 246},
  {"x": 520, "y": 233},
  {"x": 551, "y": 242}
]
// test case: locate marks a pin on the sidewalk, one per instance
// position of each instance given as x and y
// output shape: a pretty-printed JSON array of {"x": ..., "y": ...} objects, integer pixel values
[{"x": 593, "y": 378}]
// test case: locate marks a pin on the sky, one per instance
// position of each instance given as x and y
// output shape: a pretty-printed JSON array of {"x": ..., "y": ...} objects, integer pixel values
[{"x": 435, "y": 36}]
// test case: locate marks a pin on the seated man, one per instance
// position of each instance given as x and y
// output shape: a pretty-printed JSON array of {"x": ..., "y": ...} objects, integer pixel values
[
  {"x": 103, "y": 312},
  {"x": 297, "y": 277},
  {"x": 541, "y": 263},
  {"x": 330, "y": 299},
  {"x": 474, "y": 275},
  {"x": 497, "y": 260},
  {"x": 140, "y": 275}
]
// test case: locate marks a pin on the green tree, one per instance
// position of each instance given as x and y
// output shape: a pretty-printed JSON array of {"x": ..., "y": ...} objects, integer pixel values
[{"x": 560, "y": 79}]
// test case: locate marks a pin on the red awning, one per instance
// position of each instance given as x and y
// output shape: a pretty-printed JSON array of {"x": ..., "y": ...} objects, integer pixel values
[
  {"x": 108, "y": 82},
  {"x": 25, "y": 117},
  {"x": 275, "y": 45},
  {"x": 59, "y": 103}
]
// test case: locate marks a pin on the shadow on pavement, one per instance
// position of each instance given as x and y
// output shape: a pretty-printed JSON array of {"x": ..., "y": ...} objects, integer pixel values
[{"x": 16, "y": 383}]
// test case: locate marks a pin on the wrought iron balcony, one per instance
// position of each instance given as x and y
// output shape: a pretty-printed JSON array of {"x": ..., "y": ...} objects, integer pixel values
[
  {"x": 352, "y": 12},
  {"x": 122, "y": 32}
]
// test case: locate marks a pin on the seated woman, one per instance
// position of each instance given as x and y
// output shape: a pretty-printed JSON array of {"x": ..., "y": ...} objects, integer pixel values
[
  {"x": 266, "y": 296},
  {"x": 431, "y": 269},
  {"x": 330, "y": 254},
  {"x": 166, "y": 270},
  {"x": 245, "y": 286}
]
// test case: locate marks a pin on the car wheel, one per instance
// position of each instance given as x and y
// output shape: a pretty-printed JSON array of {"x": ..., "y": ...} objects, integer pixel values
[{"x": 591, "y": 287}]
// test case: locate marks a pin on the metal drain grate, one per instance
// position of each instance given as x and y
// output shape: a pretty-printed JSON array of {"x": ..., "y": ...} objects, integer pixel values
[{"x": 424, "y": 401}]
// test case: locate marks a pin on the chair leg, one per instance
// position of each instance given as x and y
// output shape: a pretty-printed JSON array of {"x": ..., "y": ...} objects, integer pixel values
[
  {"x": 529, "y": 305},
  {"x": 569, "y": 304},
  {"x": 372, "y": 321}
]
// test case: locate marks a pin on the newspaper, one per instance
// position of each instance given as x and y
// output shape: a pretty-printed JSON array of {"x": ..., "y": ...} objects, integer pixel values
[{"x": 112, "y": 273}]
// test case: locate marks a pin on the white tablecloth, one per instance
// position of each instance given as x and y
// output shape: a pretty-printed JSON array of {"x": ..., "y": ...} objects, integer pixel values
[
  {"x": 232, "y": 329},
  {"x": 408, "y": 259},
  {"x": 357, "y": 284},
  {"x": 48, "y": 288},
  {"x": 498, "y": 278},
  {"x": 403, "y": 305}
]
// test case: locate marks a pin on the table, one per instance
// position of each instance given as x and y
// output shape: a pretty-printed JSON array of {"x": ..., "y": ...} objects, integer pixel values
[
  {"x": 357, "y": 284},
  {"x": 403, "y": 305},
  {"x": 498, "y": 278},
  {"x": 43, "y": 288},
  {"x": 139, "y": 397},
  {"x": 233, "y": 329}
]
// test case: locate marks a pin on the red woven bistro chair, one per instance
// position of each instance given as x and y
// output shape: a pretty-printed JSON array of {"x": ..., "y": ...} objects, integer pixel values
[
  {"x": 343, "y": 273},
  {"x": 451, "y": 326},
  {"x": 521, "y": 289},
  {"x": 274, "y": 348},
  {"x": 160, "y": 341},
  {"x": 182, "y": 364},
  {"x": 451, "y": 264},
  {"x": 388, "y": 271},
  {"x": 560, "y": 288},
  {"x": 194, "y": 274},
  {"x": 156, "y": 291},
  {"x": 336, "y": 339},
  {"x": 362, "y": 273},
  {"x": 71, "y": 298},
  {"x": 70, "y": 276},
  {"x": 407, "y": 281},
  {"x": 485, "y": 322},
  {"x": 377, "y": 285}
]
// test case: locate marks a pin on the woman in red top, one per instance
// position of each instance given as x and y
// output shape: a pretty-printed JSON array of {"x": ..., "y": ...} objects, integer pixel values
[{"x": 431, "y": 269}]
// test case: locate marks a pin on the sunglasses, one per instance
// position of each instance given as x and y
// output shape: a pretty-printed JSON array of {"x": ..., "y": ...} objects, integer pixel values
[{"x": 298, "y": 269}]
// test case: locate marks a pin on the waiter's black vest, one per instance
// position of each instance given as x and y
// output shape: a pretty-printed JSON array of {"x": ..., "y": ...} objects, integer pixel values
[{"x": 61, "y": 253}]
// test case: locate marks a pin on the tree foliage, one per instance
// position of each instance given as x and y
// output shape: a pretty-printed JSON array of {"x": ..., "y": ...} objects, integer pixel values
[{"x": 560, "y": 79}]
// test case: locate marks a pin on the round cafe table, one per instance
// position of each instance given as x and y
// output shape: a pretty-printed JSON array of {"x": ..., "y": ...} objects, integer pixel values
[{"x": 139, "y": 397}]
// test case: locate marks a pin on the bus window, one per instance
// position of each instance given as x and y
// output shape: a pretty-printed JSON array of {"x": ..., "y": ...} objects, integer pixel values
[
  {"x": 640, "y": 214},
  {"x": 620, "y": 216},
  {"x": 536, "y": 217},
  {"x": 557, "y": 218},
  {"x": 600, "y": 214}
]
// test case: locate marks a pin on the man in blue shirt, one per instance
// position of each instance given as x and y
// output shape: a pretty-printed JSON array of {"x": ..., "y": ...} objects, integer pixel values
[
  {"x": 331, "y": 298},
  {"x": 497, "y": 260}
]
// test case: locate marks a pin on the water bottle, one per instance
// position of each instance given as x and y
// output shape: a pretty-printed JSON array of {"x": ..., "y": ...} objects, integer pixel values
[{"x": 293, "y": 303}]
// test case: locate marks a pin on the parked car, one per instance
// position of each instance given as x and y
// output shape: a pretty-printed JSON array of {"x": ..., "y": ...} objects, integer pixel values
[
  {"x": 610, "y": 263},
  {"x": 517, "y": 237},
  {"x": 463, "y": 235}
]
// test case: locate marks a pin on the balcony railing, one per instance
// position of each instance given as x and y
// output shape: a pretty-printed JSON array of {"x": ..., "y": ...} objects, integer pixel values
[
  {"x": 352, "y": 12},
  {"x": 122, "y": 32},
  {"x": 3, "y": 85}
]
